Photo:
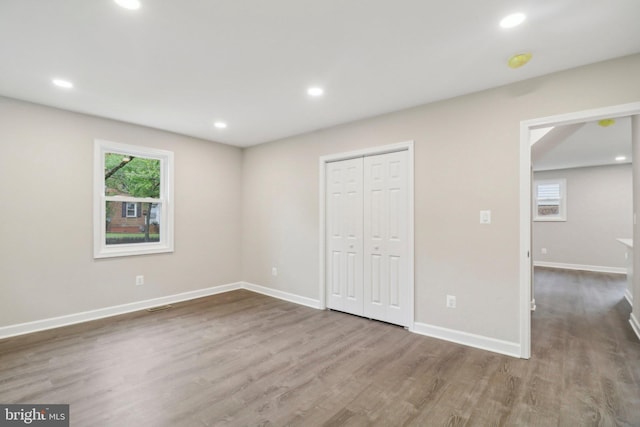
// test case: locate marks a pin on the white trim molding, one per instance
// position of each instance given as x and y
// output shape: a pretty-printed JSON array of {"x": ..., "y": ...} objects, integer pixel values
[
  {"x": 628, "y": 297},
  {"x": 635, "y": 324},
  {"x": 459, "y": 337},
  {"x": 286, "y": 296},
  {"x": 581, "y": 267},
  {"x": 86, "y": 316},
  {"x": 472, "y": 340}
]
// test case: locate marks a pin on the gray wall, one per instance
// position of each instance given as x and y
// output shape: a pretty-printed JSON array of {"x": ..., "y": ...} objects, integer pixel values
[
  {"x": 240, "y": 212},
  {"x": 46, "y": 254},
  {"x": 599, "y": 210},
  {"x": 466, "y": 159}
]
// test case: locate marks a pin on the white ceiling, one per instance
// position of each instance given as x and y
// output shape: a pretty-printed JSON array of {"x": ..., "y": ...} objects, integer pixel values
[
  {"x": 585, "y": 145},
  {"x": 181, "y": 65}
]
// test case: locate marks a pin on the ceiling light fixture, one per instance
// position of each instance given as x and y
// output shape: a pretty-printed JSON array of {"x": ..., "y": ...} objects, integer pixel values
[
  {"x": 66, "y": 84},
  {"x": 517, "y": 61},
  {"x": 220, "y": 125},
  {"x": 315, "y": 91},
  {"x": 606, "y": 122},
  {"x": 513, "y": 20},
  {"x": 621, "y": 158},
  {"x": 129, "y": 4}
]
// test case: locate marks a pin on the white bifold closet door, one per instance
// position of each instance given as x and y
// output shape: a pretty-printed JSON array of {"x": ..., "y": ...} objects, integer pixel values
[
  {"x": 344, "y": 236},
  {"x": 367, "y": 242}
]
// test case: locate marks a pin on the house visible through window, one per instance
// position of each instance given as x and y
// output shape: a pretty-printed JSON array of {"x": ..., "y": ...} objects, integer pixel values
[
  {"x": 550, "y": 200},
  {"x": 133, "y": 201}
]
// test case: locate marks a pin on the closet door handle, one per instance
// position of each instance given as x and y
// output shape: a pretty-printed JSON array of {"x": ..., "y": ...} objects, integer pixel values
[{"x": 376, "y": 248}]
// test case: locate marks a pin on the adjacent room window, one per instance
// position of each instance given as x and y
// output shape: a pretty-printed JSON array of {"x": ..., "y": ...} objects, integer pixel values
[
  {"x": 133, "y": 200},
  {"x": 550, "y": 200}
]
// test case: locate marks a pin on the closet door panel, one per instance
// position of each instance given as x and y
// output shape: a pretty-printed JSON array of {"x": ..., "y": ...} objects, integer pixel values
[
  {"x": 385, "y": 238},
  {"x": 344, "y": 239}
]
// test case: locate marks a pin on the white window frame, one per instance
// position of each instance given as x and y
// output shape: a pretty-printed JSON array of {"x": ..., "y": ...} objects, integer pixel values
[
  {"x": 135, "y": 210},
  {"x": 562, "y": 212},
  {"x": 165, "y": 201}
]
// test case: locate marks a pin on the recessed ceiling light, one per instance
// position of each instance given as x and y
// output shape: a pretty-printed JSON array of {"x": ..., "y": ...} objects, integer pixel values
[
  {"x": 517, "y": 61},
  {"x": 315, "y": 91},
  {"x": 129, "y": 4},
  {"x": 512, "y": 20},
  {"x": 66, "y": 84},
  {"x": 220, "y": 125},
  {"x": 606, "y": 122},
  {"x": 621, "y": 158}
]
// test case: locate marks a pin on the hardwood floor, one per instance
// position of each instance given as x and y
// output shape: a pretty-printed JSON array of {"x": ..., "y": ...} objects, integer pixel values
[{"x": 246, "y": 359}]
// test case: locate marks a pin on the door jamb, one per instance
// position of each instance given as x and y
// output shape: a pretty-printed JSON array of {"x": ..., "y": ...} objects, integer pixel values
[
  {"x": 526, "y": 126},
  {"x": 390, "y": 148}
]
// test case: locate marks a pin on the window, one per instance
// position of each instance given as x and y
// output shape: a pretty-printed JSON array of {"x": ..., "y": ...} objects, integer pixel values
[
  {"x": 131, "y": 210},
  {"x": 133, "y": 200},
  {"x": 550, "y": 200}
]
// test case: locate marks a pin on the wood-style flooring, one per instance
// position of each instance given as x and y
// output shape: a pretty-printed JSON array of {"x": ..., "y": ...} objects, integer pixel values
[{"x": 242, "y": 358}]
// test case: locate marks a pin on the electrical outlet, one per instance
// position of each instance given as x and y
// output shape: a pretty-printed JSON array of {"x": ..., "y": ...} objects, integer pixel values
[
  {"x": 543, "y": 251},
  {"x": 139, "y": 280},
  {"x": 274, "y": 271},
  {"x": 451, "y": 301},
  {"x": 485, "y": 217}
]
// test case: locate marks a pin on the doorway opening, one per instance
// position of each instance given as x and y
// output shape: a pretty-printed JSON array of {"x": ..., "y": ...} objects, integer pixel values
[{"x": 528, "y": 130}]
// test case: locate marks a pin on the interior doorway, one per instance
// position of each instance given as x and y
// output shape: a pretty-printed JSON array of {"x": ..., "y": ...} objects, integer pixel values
[{"x": 528, "y": 129}]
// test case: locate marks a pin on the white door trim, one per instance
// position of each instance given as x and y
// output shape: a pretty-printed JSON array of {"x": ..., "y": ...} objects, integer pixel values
[
  {"x": 525, "y": 199},
  {"x": 408, "y": 146}
]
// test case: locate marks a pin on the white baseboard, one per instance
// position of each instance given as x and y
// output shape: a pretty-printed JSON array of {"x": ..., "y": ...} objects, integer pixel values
[
  {"x": 635, "y": 324},
  {"x": 478, "y": 341},
  {"x": 628, "y": 297},
  {"x": 85, "y": 316},
  {"x": 309, "y": 302},
  {"x": 594, "y": 268},
  {"x": 472, "y": 340}
]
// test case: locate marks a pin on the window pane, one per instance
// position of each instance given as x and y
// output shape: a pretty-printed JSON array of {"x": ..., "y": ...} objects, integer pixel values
[
  {"x": 132, "y": 179},
  {"x": 131, "y": 176},
  {"x": 131, "y": 209},
  {"x": 121, "y": 227},
  {"x": 548, "y": 210},
  {"x": 550, "y": 199},
  {"x": 548, "y": 191}
]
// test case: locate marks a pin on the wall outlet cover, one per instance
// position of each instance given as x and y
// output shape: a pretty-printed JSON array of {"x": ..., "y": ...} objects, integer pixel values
[
  {"x": 451, "y": 301},
  {"x": 485, "y": 217}
]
